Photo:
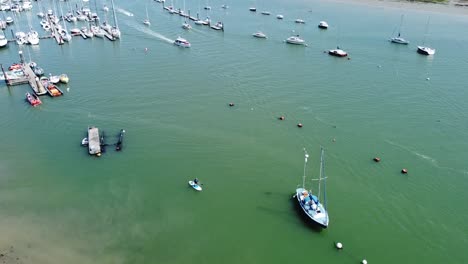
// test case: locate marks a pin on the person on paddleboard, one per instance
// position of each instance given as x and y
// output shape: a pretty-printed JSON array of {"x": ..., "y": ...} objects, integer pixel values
[{"x": 196, "y": 181}]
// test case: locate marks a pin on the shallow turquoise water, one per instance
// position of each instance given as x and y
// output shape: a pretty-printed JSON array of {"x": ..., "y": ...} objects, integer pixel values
[{"x": 58, "y": 204}]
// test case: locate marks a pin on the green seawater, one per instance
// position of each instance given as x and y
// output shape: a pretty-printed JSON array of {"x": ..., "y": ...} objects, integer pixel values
[{"x": 59, "y": 205}]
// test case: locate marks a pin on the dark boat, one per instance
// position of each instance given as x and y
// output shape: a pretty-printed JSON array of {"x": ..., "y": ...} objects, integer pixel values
[
  {"x": 118, "y": 145},
  {"x": 102, "y": 142}
]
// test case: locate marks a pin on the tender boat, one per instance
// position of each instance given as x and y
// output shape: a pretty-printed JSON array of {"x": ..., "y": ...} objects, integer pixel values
[
  {"x": 259, "y": 34},
  {"x": 64, "y": 78},
  {"x": 33, "y": 99},
  {"x": 279, "y": 16},
  {"x": 323, "y": 25},
  {"x": 3, "y": 41},
  {"x": 195, "y": 186},
  {"x": 207, "y": 8},
  {"x": 296, "y": 40},
  {"x": 118, "y": 145},
  {"x": 186, "y": 25},
  {"x": 40, "y": 15},
  {"x": 181, "y": 42},
  {"x": 147, "y": 22},
  {"x": 53, "y": 90},
  {"x": 253, "y": 9},
  {"x": 9, "y": 20},
  {"x": 84, "y": 142},
  {"x": 54, "y": 78},
  {"x": 266, "y": 13},
  {"x": 426, "y": 50},
  {"x": 218, "y": 26},
  {"x": 338, "y": 52},
  {"x": 299, "y": 21},
  {"x": 311, "y": 204}
]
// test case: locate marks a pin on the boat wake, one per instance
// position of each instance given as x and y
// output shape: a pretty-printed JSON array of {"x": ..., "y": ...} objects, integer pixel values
[
  {"x": 150, "y": 32},
  {"x": 123, "y": 11},
  {"x": 425, "y": 157}
]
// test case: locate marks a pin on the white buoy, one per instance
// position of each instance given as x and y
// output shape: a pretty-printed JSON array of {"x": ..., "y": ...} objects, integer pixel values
[
  {"x": 364, "y": 261},
  {"x": 339, "y": 245},
  {"x": 428, "y": 78}
]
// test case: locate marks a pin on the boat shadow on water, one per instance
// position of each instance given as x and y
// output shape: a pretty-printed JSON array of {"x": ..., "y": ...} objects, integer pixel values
[{"x": 304, "y": 219}]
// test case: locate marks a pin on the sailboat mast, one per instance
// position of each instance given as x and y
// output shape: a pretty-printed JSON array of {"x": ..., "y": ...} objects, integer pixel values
[
  {"x": 321, "y": 171},
  {"x": 324, "y": 184},
  {"x": 113, "y": 11},
  {"x": 305, "y": 163}
]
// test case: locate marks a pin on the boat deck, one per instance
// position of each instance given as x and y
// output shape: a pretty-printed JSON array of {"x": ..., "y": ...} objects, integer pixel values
[{"x": 94, "y": 144}]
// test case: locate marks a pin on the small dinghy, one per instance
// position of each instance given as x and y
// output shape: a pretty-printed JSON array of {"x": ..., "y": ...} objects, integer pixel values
[
  {"x": 84, "y": 142},
  {"x": 195, "y": 186}
]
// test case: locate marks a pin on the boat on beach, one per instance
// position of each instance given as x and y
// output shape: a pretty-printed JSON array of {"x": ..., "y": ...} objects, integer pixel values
[
  {"x": 33, "y": 99},
  {"x": 310, "y": 202}
]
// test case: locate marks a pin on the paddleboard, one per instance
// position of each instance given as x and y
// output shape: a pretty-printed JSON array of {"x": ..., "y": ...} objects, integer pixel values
[{"x": 195, "y": 186}]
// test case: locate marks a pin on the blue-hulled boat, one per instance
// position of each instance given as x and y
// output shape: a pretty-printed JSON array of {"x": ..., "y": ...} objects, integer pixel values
[{"x": 310, "y": 202}]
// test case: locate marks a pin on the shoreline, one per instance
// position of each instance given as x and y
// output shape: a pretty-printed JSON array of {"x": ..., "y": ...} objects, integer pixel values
[{"x": 448, "y": 7}]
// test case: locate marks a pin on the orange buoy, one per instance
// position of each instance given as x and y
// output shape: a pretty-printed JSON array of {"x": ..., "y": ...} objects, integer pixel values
[
  {"x": 377, "y": 159},
  {"x": 281, "y": 118},
  {"x": 231, "y": 104},
  {"x": 404, "y": 171},
  {"x": 299, "y": 125}
]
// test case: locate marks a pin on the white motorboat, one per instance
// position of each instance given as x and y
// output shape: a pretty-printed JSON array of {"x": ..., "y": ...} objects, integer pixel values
[
  {"x": 75, "y": 31},
  {"x": 259, "y": 34},
  {"x": 338, "y": 52},
  {"x": 266, "y": 13},
  {"x": 9, "y": 20},
  {"x": 87, "y": 32},
  {"x": 147, "y": 22},
  {"x": 84, "y": 142},
  {"x": 40, "y": 15},
  {"x": 224, "y": 6},
  {"x": 27, "y": 5},
  {"x": 426, "y": 50},
  {"x": 5, "y": 7},
  {"x": 199, "y": 22},
  {"x": 218, "y": 26},
  {"x": 33, "y": 37},
  {"x": 186, "y": 25},
  {"x": 181, "y": 42},
  {"x": 16, "y": 8},
  {"x": 54, "y": 78},
  {"x": 279, "y": 16},
  {"x": 299, "y": 21},
  {"x": 81, "y": 17},
  {"x": 253, "y": 9},
  {"x": 323, "y": 25},
  {"x": 3, "y": 41},
  {"x": 296, "y": 40},
  {"x": 21, "y": 38}
]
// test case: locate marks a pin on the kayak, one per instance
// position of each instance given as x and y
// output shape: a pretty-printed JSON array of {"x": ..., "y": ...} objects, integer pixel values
[{"x": 195, "y": 186}]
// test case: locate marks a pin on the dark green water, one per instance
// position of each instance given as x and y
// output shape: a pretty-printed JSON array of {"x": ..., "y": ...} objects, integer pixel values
[{"x": 58, "y": 205}]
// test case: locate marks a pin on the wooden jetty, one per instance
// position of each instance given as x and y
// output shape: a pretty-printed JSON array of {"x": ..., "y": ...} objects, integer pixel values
[
  {"x": 94, "y": 143},
  {"x": 33, "y": 80}
]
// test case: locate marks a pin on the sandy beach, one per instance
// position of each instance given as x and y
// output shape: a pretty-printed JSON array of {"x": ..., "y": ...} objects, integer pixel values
[{"x": 451, "y": 7}]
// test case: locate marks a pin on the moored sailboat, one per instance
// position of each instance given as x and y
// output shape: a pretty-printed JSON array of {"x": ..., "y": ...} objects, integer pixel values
[
  {"x": 311, "y": 204},
  {"x": 399, "y": 39}
]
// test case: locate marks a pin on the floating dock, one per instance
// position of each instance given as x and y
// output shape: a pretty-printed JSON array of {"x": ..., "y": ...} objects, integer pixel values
[
  {"x": 33, "y": 80},
  {"x": 94, "y": 143}
]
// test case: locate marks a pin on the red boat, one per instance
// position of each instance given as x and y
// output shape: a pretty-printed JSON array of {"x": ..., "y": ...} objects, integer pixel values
[
  {"x": 33, "y": 99},
  {"x": 15, "y": 66}
]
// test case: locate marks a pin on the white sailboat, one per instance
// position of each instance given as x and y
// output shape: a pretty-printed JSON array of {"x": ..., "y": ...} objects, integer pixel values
[
  {"x": 424, "y": 50},
  {"x": 312, "y": 203},
  {"x": 3, "y": 41},
  {"x": 115, "y": 32},
  {"x": 399, "y": 39},
  {"x": 64, "y": 32},
  {"x": 147, "y": 21}
]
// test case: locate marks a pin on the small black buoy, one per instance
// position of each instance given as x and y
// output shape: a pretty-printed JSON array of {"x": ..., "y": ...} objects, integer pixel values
[
  {"x": 231, "y": 104},
  {"x": 299, "y": 125},
  {"x": 349, "y": 58},
  {"x": 404, "y": 171},
  {"x": 281, "y": 118},
  {"x": 377, "y": 159}
]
